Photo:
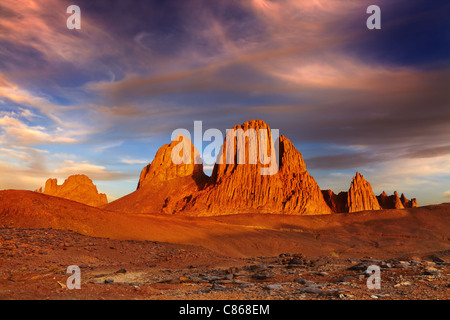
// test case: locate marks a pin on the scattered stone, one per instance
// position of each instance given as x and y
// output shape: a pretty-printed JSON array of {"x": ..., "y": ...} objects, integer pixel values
[
  {"x": 402, "y": 264},
  {"x": 121, "y": 271},
  {"x": 430, "y": 271},
  {"x": 310, "y": 289},
  {"x": 232, "y": 270},
  {"x": 337, "y": 292},
  {"x": 275, "y": 286},
  {"x": 223, "y": 281},
  {"x": 437, "y": 259},
  {"x": 212, "y": 278},
  {"x": 404, "y": 283},
  {"x": 296, "y": 261},
  {"x": 347, "y": 278},
  {"x": 259, "y": 267},
  {"x": 303, "y": 281},
  {"x": 359, "y": 267},
  {"x": 229, "y": 276},
  {"x": 262, "y": 276},
  {"x": 218, "y": 287}
]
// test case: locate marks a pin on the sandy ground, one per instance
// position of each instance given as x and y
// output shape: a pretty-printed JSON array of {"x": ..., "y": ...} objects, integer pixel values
[
  {"x": 253, "y": 256},
  {"x": 33, "y": 265}
]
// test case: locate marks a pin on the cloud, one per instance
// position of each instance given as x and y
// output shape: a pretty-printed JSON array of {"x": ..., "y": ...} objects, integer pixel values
[
  {"x": 69, "y": 167},
  {"x": 447, "y": 194},
  {"x": 428, "y": 152},
  {"x": 309, "y": 68},
  {"x": 93, "y": 171},
  {"x": 340, "y": 161},
  {"x": 134, "y": 161},
  {"x": 32, "y": 24},
  {"x": 16, "y": 132},
  {"x": 106, "y": 146},
  {"x": 12, "y": 93}
]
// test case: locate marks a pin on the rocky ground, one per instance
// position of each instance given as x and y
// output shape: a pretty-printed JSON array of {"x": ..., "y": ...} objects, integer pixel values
[{"x": 33, "y": 265}]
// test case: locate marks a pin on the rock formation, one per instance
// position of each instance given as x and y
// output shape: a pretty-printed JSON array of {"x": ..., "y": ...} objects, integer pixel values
[
  {"x": 395, "y": 202},
  {"x": 361, "y": 196},
  {"x": 237, "y": 184},
  {"x": 162, "y": 183},
  {"x": 390, "y": 202},
  {"x": 241, "y": 188},
  {"x": 337, "y": 203},
  {"x": 163, "y": 168},
  {"x": 77, "y": 188},
  {"x": 409, "y": 203}
]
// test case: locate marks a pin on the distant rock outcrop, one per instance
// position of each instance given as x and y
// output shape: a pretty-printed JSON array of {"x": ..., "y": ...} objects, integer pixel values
[
  {"x": 390, "y": 202},
  {"x": 396, "y": 202},
  {"x": 77, "y": 188},
  {"x": 360, "y": 197},
  {"x": 409, "y": 203}
]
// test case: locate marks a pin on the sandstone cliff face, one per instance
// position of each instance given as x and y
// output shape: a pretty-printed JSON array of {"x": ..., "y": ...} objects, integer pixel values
[
  {"x": 77, "y": 188},
  {"x": 336, "y": 202},
  {"x": 241, "y": 188},
  {"x": 162, "y": 168},
  {"x": 361, "y": 196},
  {"x": 163, "y": 183}
]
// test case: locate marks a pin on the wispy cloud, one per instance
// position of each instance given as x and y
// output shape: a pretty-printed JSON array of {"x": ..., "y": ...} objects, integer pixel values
[
  {"x": 111, "y": 93},
  {"x": 134, "y": 161},
  {"x": 16, "y": 132}
]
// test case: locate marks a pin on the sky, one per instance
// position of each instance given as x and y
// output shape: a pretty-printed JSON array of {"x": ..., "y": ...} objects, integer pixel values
[{"x": 101, "y": 100}]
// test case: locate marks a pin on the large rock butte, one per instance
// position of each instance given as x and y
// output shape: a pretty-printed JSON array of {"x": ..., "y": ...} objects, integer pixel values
[
  {"x": 237, "y": 184},
  {"x": 162, "y": 183},
  {"x": 163, "y": 169},
  {"x": 77, "y": 188},
  {"x": 241, "y": 188}
]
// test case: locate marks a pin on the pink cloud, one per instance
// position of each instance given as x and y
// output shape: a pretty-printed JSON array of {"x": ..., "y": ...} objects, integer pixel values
[{"x": 42, "y": 26}]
